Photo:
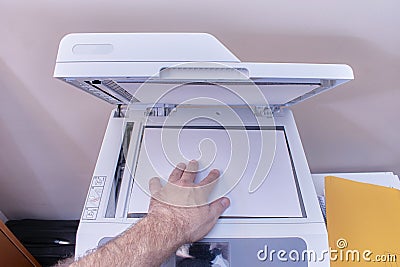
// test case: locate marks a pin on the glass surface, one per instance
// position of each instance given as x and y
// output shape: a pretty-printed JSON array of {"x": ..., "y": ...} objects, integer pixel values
[{"x": 277, "y": 197}]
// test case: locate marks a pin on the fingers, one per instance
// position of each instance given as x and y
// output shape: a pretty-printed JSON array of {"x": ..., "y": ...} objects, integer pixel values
[
  {"x": 154, "y": 185},
  {"x": 191, "y": 171},
  {"x": 211, "y": 177},
  {"x": 219, "y": 206},
  {"x": 176, "y": 174}
]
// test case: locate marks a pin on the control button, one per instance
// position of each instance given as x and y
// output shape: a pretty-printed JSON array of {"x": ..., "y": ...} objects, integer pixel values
[
  {"x": 94, "y": 197},
  {"x": 99, "y": 180},
  {"x": 90, "y": 213}
]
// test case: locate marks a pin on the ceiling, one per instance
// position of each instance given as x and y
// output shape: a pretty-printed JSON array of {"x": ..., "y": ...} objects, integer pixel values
[{"x": 51, "y": 133}]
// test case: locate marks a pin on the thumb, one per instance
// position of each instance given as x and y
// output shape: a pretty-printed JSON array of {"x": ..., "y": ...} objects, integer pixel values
[
  {"x": 154, "y": 185},
  {"x": 219, "y": 206}
]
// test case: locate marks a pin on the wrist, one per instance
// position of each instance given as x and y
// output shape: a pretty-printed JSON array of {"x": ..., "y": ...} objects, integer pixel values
[{"x": 168, "y": 227}]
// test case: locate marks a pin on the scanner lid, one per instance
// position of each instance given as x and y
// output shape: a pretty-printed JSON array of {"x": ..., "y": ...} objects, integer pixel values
[{"x": 121, "y": 68}]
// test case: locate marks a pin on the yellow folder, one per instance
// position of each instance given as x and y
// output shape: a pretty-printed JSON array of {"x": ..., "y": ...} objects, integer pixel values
[{"x": 363, "y": 222}]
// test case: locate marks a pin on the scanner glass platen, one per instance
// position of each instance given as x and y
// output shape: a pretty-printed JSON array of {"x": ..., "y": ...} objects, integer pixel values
[{"x": 277, "y": 197}]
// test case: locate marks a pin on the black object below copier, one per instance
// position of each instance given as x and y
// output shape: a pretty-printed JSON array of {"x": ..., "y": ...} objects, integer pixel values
[{"x": 47, "y": 240}]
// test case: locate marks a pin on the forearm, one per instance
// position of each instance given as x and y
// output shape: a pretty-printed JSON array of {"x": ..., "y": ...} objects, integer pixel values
[
  {"x": 166, "y": 227},
  {"x": 148, "y": 243}
]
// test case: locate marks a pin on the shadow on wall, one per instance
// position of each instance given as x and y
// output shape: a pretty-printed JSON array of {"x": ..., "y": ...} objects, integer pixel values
[
  {"x": 30, "y": 154},
  {"x": 353, "y": 127}
]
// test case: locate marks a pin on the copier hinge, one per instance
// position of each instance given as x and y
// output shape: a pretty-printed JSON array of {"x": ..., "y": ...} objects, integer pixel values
[
  {"x": 160, "y": 110},
  {"x": 265, "y": 111},
  {"x": 120, "y": 111}
]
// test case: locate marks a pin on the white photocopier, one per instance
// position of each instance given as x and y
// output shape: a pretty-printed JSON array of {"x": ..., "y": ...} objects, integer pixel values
[{"x": 183, "y": 96}]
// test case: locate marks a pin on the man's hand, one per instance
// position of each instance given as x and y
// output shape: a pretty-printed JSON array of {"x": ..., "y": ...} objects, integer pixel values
[
  {"x": 194, "y": 222},
  {"x": 166, "y": 227}
]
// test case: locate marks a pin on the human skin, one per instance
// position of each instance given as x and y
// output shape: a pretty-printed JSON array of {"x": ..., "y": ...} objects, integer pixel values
[{"x": 152, "y": 240}]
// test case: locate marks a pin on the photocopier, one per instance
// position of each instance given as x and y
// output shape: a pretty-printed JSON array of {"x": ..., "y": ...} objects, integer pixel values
[{"x": 183, "y": 96}]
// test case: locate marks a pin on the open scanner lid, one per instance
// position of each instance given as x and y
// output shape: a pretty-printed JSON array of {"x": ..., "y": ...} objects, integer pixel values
[{"x": 112, "y": 66}]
